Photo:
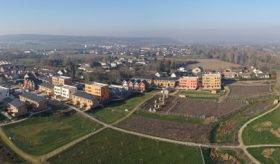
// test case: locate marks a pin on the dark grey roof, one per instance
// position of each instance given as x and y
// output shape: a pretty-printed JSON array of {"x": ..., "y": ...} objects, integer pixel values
[
  {"x": 85, "y": 95},
  {"x": 16, "y": 103},
  {"x": 33, "y": 96}
]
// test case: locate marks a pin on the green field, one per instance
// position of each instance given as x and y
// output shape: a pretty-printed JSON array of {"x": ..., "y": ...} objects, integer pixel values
[
  {"x": 266, "y": 155},
  {"x": 40, "y": 135},
  {"x": 265, "y": 130},
  {"x": 111, "y": 146},
  {"x": 226, "y": 129},
  {"x": 118, "y": 110}
]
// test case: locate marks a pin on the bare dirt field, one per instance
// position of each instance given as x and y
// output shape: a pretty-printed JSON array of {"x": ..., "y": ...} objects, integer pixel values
[
  {"x": 198, "y": 108},
  {"x": 213, "y": 64},
  {"x": 248, "y": 90},
  {"x": 168, "y": 129}
]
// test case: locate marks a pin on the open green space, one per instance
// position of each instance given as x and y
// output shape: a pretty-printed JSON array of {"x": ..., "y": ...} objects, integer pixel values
[
  {"x": 40, "y": 135},
  {"x": 117, "y": 110},
  {"x": 226, "y": 129},
  {"x": 266, "y": 155},
  {"x": 265, "y": 130},
  {"x": 110, "y": 146}
]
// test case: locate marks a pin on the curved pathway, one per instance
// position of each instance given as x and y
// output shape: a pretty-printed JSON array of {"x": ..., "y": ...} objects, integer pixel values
[
  {"x": 43, "y": 158},
  {"x": 240, "y": 132}
]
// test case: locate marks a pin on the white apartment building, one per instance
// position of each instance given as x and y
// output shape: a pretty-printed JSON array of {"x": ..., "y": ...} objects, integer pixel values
[
  {"x": 4, "y": 92},
  {"x": 65, "y": 91}
]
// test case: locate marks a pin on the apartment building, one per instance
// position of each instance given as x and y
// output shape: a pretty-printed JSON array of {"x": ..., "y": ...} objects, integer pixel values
[
  {"x": 65, "y": 91},
  {"x": 188, "y": 83},
  {"x": 98, "y": 89},
  {"x": 211, "y": 81},
  {"x": 61, "y": 80}
]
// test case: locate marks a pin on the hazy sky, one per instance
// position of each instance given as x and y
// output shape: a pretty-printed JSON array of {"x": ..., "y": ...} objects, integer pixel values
[{"x": 183, "y": 19}]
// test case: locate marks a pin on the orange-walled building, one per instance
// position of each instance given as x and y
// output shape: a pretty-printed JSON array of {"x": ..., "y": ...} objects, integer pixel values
[
  {"x": 187, "y": 82},
  {"x": 98, "y": 89}
]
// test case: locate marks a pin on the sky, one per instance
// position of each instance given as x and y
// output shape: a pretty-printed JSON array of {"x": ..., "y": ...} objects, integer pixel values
[{"x": 190, "y": 20}]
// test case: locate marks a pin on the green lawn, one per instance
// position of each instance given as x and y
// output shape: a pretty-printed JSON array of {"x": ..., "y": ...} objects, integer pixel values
[
  {"x": 227, "y": 128},
  {"x": 111, "y": 146},
  {"x": 265, "y": 130},
  {"x": 266, "y": 155},
  {"x": 40, "y": 135},
  {"x": 118, "y": 110}
]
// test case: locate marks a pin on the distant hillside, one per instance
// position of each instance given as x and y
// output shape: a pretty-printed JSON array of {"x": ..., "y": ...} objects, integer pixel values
[{"x": 62, "y": 40}]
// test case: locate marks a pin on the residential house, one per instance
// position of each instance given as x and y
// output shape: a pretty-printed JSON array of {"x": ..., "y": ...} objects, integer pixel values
[
  {"x": 164, "y": 82},
  {"x": 33, "y": 100},
  {"x": 31, "y": 82},
  {"x": 16, "y": 108},
  {"x": 84, "y": 100},
  {"x": 47, "y": 89}
]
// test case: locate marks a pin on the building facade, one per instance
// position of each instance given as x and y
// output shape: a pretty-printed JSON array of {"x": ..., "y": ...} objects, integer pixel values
[
  {"x": 187, "y": 83},
  {"x": 65, "y": 91},
  {"x": 84, "y": 100},
  {"x": 33, "y": 100},
  {"x": 61, "y": 80},
  {"x": 47, "y": 89},
  {"x": 211, "y": 81},
  {"x": 98, "y": 89},
  {"x": 164, "y": 82}
]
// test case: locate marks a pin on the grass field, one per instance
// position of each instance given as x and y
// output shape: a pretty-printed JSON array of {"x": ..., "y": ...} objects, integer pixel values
[
  {"x": 266, "y": 155},
  {"x": 111, "y": 146},
  {"x": 40, "y": 135},
  {"x": 227, "y": 128},
  {"x": 265, "y": 130},
  {"x": 118, "y": 110}
]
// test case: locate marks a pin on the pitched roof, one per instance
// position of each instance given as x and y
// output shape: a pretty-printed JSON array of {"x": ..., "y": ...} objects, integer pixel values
[
  {"x": 33, "y": 96},
  {"x": 16, "y": 103}
]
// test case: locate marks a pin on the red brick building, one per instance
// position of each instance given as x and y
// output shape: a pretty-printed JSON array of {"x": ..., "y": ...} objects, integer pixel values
[{"x": 187, "y": 82}]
